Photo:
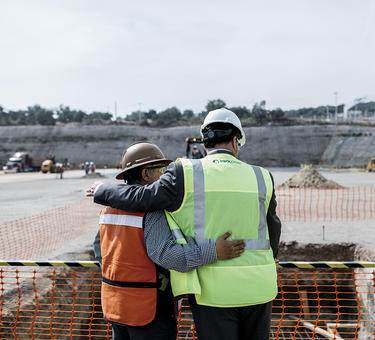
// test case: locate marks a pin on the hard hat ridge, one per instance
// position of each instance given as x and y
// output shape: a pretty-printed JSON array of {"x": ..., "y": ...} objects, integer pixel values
[{"x": 225, "y": 116}]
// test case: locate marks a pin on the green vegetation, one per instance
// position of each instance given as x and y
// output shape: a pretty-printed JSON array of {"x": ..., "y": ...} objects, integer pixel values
[
  {"x": 37, "y": 115},
  {"x": 258, "y": 115},
  {"x": 172, "y": 116},
  {"x": 365, "y": 108}
]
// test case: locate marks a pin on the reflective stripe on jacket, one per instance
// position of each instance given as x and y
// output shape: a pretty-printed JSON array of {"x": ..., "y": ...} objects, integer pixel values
[
  {"x": 129, "y": 287},
  {"x": 221, "y": 194}
]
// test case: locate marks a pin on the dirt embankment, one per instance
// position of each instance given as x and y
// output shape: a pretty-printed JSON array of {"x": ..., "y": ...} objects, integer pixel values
[{"x": 267, "y": 146}]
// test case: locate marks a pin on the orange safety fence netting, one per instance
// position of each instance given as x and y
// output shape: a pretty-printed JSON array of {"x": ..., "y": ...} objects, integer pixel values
[
  {"x": 38, "y": 235},
  {"x": 64, "y": 303},
  {"x": 325, "y": 205}
]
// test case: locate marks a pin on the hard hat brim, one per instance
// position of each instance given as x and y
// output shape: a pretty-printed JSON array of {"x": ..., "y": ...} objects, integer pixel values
[{"x": 121, "y": 174}]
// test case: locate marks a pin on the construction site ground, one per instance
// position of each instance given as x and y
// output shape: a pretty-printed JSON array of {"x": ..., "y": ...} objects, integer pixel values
[{"x": 25, "y": 194}]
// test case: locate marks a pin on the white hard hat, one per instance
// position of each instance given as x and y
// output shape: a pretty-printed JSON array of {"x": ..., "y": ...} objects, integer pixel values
[{"x": 224, "y": 115}]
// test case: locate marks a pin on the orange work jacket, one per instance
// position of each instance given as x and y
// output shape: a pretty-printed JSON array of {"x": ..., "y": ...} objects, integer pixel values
[{"x": 129, "y": 286}]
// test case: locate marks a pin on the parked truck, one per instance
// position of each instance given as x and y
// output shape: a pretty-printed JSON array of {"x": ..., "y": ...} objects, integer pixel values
[{"x": 21, "y": 162}]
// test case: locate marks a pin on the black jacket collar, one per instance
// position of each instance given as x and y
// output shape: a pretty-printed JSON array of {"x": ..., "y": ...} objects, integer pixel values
[{"x": 220, "y": 151}]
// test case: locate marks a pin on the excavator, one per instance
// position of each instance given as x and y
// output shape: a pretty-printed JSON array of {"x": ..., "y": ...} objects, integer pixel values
[{"x": 194, "y": 147}]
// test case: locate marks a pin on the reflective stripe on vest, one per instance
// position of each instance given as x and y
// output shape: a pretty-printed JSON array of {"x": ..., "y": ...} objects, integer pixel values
[
  {"x": 129, "y": 282},
  {"x": 178, "y": 235},
  {"x": 124, "y": 220},
  {"x": 261, "y": 243}
]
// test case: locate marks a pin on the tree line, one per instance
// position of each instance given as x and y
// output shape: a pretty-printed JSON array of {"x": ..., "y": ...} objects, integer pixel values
[
  {"x": 258, "y": 115},
  {"x": 37, "y": 115}
]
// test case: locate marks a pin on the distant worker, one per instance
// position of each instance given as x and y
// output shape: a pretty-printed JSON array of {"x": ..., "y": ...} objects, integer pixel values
[
  {"x": 92, "y": 167},
  {"x": 136, "y": 294},
  {"x": 86, "y": 167},
  {"x": 202, "y": 197},
  {"x": 196, "y": 153},
  {"x": 51, "y": 157},
  {"x": 59, "y": 169},
  {"x": 66, "y": 164}
]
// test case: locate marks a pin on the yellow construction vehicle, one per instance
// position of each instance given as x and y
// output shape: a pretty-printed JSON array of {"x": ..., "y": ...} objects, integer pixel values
[
  {"x": 371, "y": 165},
  {"x": 48, "y": 166}
]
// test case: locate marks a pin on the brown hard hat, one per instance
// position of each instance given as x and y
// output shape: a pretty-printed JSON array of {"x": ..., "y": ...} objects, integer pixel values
[{"x": 140, "y": 154}]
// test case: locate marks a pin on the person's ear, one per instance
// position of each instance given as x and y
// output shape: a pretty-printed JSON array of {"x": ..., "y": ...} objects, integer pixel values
[{"x": 145, "y": 175}]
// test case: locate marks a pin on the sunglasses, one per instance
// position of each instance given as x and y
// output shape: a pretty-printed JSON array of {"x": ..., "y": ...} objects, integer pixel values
[{"x": 161, "y": 168}]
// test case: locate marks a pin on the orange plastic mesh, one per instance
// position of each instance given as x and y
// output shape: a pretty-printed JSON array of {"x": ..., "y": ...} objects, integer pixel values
[
  {"x": 35, "y": 236},
  {"x": 312, "y": 204},
  {"x": 64, "y": 303}
]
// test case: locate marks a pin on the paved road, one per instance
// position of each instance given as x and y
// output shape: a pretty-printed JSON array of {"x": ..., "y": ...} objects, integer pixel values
[{"x": 25, "y": 194}]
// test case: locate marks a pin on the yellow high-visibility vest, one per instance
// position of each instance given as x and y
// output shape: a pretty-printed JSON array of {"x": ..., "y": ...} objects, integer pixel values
[{"x": 223, "y": 193}]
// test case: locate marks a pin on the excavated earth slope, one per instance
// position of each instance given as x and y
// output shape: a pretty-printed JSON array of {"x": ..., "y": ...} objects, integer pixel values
[{"x": 268, "y": 146}]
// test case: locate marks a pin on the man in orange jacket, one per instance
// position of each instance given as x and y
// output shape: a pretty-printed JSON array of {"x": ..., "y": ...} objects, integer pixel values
[{"x": 136, "y": 294}]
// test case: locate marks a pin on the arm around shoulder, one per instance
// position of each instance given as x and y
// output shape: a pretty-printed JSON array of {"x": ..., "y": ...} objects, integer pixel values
[{"x": 166, "y": 193}]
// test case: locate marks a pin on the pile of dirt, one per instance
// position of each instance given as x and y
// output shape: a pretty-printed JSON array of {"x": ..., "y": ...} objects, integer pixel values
[{"x": 308, "y": 177}]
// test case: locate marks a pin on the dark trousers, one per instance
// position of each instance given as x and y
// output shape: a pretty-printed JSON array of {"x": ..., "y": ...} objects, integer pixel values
[
  {"x": 234, "y": 323},
  {"x": 162, "y": 328}
]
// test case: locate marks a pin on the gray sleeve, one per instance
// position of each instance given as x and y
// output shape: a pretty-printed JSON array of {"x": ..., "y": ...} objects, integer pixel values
[
  {"x": 97, "y": 249},
  {"x": 274, "y": 224},
  {"x": 166, "y": 193},
  {"x": 163, "y": 250}
]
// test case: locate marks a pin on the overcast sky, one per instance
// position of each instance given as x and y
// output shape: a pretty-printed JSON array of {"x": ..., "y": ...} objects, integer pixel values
[{"x": 87, "y": 54}]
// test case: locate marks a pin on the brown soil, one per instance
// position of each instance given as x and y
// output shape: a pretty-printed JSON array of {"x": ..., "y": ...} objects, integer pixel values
[{"x": 308, "y": 177}]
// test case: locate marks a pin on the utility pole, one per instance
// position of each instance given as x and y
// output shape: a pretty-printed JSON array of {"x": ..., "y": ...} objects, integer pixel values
[
  {"x": 327, "y": 111},
  {"x": 115, "y": 109},
  {"x": 335, "y": 93},
  {"x": 139, "y": 111}
]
